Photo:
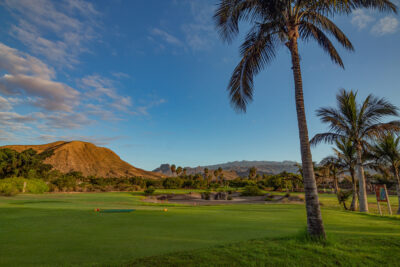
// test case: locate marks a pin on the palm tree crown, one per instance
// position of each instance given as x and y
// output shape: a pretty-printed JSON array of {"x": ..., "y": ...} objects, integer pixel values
[
  {"x": 386, "y": 150},
  {"x": 276, "y": 22},
  {"x": 360, "y": 123}
]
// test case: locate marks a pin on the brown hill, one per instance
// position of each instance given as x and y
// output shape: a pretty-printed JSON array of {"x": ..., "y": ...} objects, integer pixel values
[{"x": 86, "y": 158}]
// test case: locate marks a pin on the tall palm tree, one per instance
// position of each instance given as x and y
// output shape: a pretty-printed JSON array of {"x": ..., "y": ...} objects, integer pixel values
[
  {"x": 346, "y": 153},
  {"x": 386, "y": 151},
  {"x": 359, "y": 123},
  {"x": 216, "y": 173},
  {"x": 206, "y": 173},
  {"x": 282, "y": 23}
]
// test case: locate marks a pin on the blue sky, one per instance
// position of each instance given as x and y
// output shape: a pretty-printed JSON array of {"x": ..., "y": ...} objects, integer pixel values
[{"x": 148, "y": 80}]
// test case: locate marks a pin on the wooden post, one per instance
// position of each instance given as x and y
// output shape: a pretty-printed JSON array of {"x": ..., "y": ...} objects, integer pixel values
[
  {"x": 388, "y": 200},
  {"x": 379, "y": 208},
  {"x": 377, "y": 202}
]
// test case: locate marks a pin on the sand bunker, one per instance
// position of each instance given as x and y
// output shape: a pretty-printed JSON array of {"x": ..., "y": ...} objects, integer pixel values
[{"x": 215, "y": 198}]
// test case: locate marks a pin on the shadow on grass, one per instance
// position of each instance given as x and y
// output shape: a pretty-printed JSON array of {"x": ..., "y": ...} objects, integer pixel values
[{"x": 38, "y": 202}]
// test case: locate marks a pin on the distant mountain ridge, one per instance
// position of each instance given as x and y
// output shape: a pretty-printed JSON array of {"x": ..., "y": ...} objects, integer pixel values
[
  {"x": 86, "y": 158},
  {"x": 239, "y": 168}
]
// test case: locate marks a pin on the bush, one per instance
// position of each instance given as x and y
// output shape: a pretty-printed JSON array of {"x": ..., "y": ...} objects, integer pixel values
[
  {"x": 172, "y": 183},
  {"x": 149, "y": 191},
  {"x": 8, "y": 190},
  {"x": 36, "y": 186},
  {"x": 252, "y": 190},
  {"x": 205, "y": 195},
  {"x": 13, "y": 186}
]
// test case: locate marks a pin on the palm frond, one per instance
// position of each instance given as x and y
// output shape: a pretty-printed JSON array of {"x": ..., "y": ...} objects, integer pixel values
[
  {"x": 373, "y": 109},
  {"x": 257, "y": 51},
  {"x": 307, "y": 30},
  {"x": 329, "y": 138},
  {"x": 228, "y": 15},
  {"x": 381, "y": 5},
  {"x": 381, "y": 129},
  {"x": 330, "y": 27},
  {"x": 336, "y": 120}
]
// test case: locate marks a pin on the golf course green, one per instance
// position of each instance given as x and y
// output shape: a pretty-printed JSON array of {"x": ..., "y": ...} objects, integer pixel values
[{"x": 64, "y": 229}]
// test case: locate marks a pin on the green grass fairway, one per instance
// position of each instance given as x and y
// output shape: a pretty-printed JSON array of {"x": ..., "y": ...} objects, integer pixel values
[{"x": 63, "y": 229}]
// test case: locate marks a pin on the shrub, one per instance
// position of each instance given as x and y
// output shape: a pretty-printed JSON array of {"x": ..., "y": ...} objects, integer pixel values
[
  {"x": 8, "y": 190},
  {"x": 343, "y": 196},
  {"x": 149, "y": 191},
  {"x": 13, "y": 186},
  {"x": 206, "y": 195},
  {"x": 252, "y": 190},
  {"x": 172, "y": 183},
  {"x": 229, "y": 198}
]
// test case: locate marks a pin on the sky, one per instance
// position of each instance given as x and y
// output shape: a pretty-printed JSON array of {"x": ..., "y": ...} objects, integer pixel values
[{"x": 148, "y": 80}]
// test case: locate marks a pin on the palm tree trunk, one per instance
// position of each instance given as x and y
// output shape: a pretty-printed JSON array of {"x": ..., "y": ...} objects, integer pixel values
[
  {"x": 353, "y": 206},
  {"x": 361, "y": 180},
  {"x": 396, "y": 173},
  {"x": 336, "y": 183},
  {"x": 314, "y": 218}
]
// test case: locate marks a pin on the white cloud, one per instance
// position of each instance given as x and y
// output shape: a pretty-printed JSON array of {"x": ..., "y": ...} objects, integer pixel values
[
  {"x": 16, "y": 62},
  {"x": 62, "y": 120},
  {"x": 197, "y": 33},
  {"x": 361, "y": 19},
  {"x": 200, "y": 34},
  {"x": 143, "y": 110},
  {"x": 13, "y": 122},
  {"x": 30, "y": 76},
  {"x": 104, "y": 90},
  {"x": 101, "y": 111},
  {"x": 120, "y": 75},
  {"x": 48, "y": 95},
  {"x": 386, "y": 25},
  {"x": 169, "y": 38},
  {"x": 38, "y": 19},
  {"x": 5, "y": 105}
]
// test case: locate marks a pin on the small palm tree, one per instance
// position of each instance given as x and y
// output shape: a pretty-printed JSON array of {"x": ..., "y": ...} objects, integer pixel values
[
  {"x": 386, "y": 151},
  {"x": 276, "y": 23},
  {"x": 173, "y": 169},
  {"x": 179, "y": 170},
  {"x": 346, "y": 154},
  {"x": 252, "y": 172},
  {"x": 358, "y": 123}
]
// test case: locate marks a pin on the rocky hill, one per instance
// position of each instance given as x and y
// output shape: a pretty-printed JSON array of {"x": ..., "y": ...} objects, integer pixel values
[
  {"x": 238, "y": 168},
  {"x": 86, "y": 158}
]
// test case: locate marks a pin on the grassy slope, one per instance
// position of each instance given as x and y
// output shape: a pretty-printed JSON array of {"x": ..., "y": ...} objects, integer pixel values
[{"x": 56, "y": 229}]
